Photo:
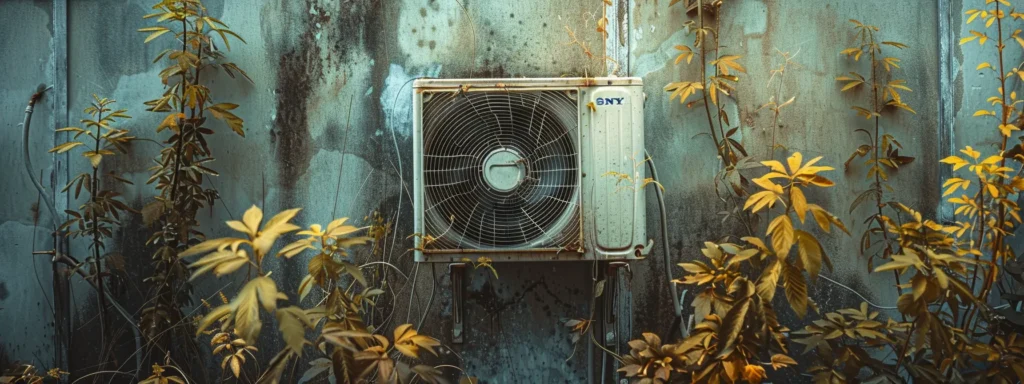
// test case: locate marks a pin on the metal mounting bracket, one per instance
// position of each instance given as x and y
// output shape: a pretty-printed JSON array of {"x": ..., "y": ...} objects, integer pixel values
[
  {"x": 612, "y": 288},
  {"x": 457, "y": 272}
]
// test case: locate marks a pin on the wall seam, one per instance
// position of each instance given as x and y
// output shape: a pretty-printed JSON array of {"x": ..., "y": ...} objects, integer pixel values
[
  {"x": 60, "y": 176},
  {"x": 945, "y": 118}
]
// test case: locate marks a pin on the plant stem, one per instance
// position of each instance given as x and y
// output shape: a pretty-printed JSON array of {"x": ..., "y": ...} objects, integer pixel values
[
  {"x": 906, "y": 345},
  {"x": 878, "y": 168},
  {"x": 997, "y": 233},
  {"x": 181, "y": 123},
  {"x": 704, "y": 83},
  {"x": 727, "y": 148},
  {"x": 93, "y": 210}
]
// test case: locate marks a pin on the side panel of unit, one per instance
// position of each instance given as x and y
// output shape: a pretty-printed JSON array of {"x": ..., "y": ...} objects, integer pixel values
[
  {"x": 611, "y": 121},
  {"x": 417, "y": 172}
]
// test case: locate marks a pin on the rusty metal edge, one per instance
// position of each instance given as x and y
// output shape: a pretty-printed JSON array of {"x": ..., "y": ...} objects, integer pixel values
[
  {"x": 59, "y": 177},
  {"x": 946, "y": 118}
]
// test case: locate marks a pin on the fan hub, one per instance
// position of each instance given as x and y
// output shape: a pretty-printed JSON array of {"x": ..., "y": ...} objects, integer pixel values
[{"x": 504, "y": 169}]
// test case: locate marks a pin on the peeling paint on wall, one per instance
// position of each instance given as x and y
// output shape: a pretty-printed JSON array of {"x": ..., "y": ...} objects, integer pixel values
[
  {"x": 396, "y": 98},
  {"x": 332, "y": 78}
]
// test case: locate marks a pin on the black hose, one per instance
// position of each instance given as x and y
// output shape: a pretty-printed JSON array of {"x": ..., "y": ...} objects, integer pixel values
[{"x": 677, "y": 305}]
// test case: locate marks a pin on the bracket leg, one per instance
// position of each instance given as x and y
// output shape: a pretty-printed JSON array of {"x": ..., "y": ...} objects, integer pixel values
[{"x": 457, "y": 272}]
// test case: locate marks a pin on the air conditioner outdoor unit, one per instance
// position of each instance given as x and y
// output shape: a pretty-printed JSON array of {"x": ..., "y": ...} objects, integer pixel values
[{"x": 529, "y": 169}]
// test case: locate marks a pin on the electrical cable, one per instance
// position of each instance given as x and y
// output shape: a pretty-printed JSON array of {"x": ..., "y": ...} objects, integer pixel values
[
  {"x": 430, "y": 300},
  {"x": 855, "y": 293},
  {"x": 412, "y": 292},
  {"x": 677, "y": 305}
]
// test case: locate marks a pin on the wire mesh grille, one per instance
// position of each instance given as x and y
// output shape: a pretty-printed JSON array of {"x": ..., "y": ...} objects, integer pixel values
[{"x": 500, "y": 169}]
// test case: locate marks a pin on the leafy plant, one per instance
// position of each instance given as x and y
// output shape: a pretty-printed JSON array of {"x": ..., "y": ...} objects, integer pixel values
[
  {"x": 775, "y": 103},
  {"x": 949, "y": 332},
  {"x": 97, "y": 217},
  {"x": 739, "y": 329},
  {"x": 158, "y": 377},
  {"x": 715, "y": 89},
  {"x": 184, "y": 161},
  {"x": 355, "y": 350},
  {"x": 881, "y": 149},
  {"x": 716, "y": 86},
  {"x": 28, "y": 374}
]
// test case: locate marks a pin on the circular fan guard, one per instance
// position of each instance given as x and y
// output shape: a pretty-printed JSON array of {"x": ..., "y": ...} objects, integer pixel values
[{"x": 500, "y": 169}]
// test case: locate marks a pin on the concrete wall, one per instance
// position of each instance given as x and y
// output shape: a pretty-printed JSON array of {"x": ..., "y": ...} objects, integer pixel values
[
  {"x": 25, "y": 294},
  {"x": 330, "y": 106}
]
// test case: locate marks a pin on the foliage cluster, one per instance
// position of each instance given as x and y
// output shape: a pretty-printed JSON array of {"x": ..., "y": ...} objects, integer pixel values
[
  {"x": 184, "y": 161},
  {"x": 948, "y": 327}
]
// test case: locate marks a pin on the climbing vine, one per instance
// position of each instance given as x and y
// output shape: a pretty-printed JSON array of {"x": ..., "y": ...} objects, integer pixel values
[{"x": 184, "y": 163}]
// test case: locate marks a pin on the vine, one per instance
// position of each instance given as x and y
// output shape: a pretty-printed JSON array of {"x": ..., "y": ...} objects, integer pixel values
[{"x": 184, "y": 161}]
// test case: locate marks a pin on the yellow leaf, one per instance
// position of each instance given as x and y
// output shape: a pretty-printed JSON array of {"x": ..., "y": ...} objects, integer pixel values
[
  {"x": 275, "y": 227},
  {"x": 236, "y": 366},
  {"x": 973, "y": 15},
  {"x": 724, "y": 63},
  {"x": 890, "y": 62},
  {"x": 768, "y": 185},
  {"x": 992, "y": 190},
  {"x": 305, "y": 287},
  {"x": 156, "y": 32},
  {"x": 683, "y": 89},
  {"x": 851, "y": 85},
  {"x": 686, "y": 54},
  {"x": 759, "y": 200},
  {"x": 783, "y": 235},
  {"x": 794, "y": 162},
  {"x": 1006, "y": 129},
  {"x": 810, "y": 253},
  {"x": 753, "y": 374},
  {"x": 780, "y": 361},
  {"x": 65, "y": 147},
  {"x": 292, "y": 323},
  {"x": 796, "y": 197},
  {"x": 170, "y": 121},
  {"x": 251, "y": 219},
  {"x": 796, "y": 289},
  {"x": 982, "y": 112},
  {"x": 94, "y": 159},
  {"x": 969, "y": 151},
  {"x": 983, "y": 66}
]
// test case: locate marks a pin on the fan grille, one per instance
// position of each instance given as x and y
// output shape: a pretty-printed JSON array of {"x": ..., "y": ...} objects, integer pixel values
[{"x": 501, "y": 169}]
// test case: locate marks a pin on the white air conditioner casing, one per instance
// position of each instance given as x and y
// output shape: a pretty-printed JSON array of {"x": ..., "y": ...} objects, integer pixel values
[{"x": 529, "y": 169}]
